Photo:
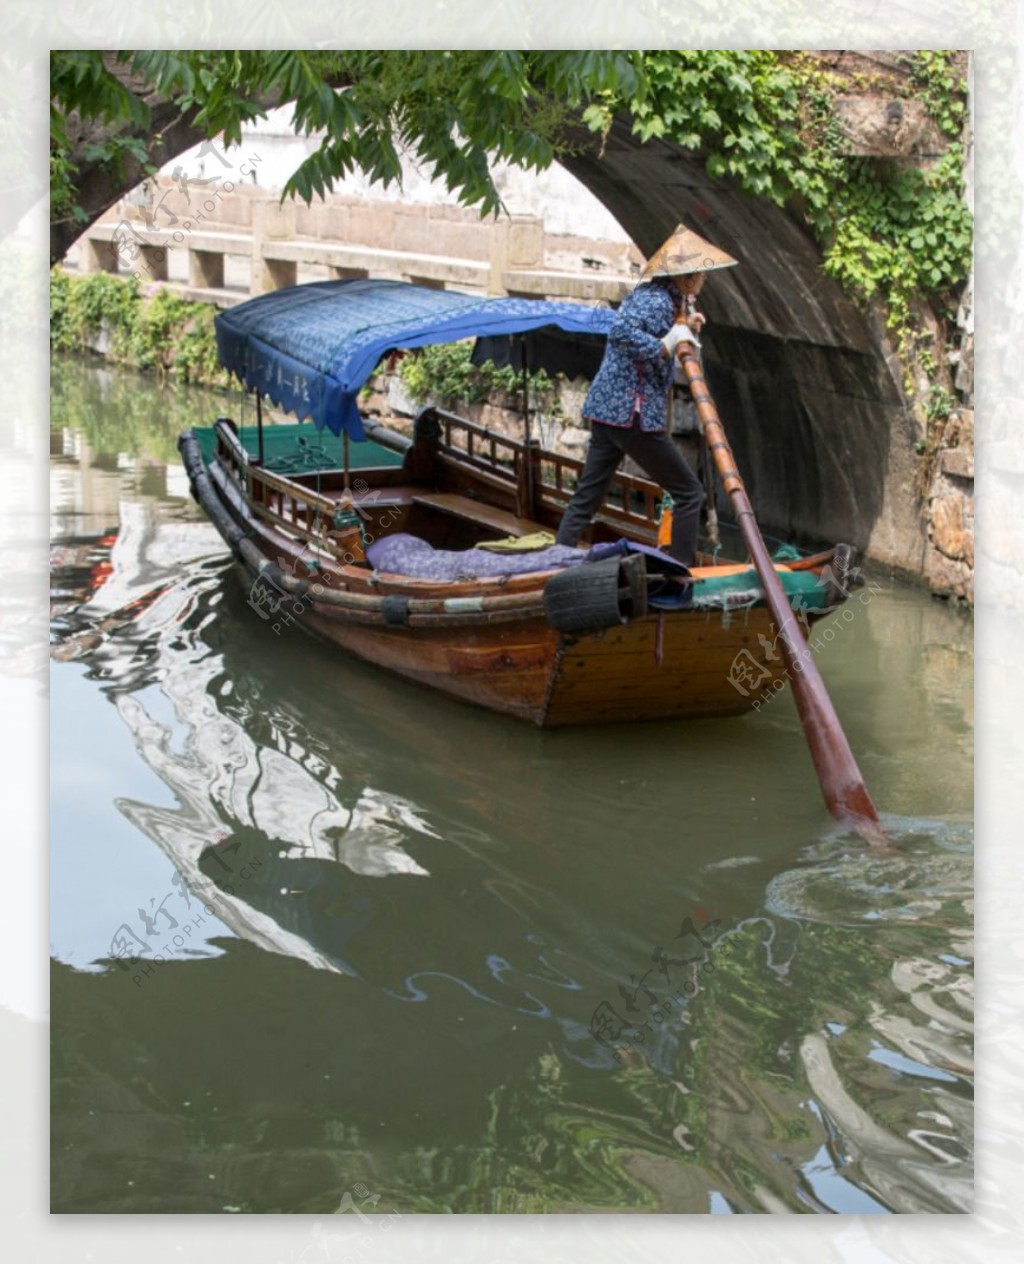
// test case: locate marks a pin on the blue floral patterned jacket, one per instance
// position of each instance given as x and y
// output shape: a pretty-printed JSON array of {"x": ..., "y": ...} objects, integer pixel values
[{"x": 635, "y": 375}]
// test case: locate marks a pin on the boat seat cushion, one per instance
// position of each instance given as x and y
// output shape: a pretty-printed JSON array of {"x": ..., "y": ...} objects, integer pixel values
[{"x": 408, "y": 555}]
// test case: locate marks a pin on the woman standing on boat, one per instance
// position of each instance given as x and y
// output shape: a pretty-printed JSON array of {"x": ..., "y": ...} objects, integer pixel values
[{"x": 627, "y": 400}]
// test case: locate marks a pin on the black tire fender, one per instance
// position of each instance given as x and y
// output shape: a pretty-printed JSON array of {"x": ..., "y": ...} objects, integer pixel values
[{"x": 597, "y": 595}]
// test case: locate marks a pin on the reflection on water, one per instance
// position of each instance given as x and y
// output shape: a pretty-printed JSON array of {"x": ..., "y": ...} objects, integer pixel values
[{"x": 315, "y": 929}]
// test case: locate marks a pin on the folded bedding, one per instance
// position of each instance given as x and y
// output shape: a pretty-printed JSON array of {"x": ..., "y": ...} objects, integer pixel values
[{"x": 408, "y": 555}]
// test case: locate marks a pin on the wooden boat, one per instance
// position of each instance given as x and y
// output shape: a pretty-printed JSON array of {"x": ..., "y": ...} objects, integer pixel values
[{"x": 624, "y": 637}]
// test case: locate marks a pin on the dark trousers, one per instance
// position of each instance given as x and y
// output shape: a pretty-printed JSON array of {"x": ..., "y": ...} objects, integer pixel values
[{"x": 660, "y": 460}]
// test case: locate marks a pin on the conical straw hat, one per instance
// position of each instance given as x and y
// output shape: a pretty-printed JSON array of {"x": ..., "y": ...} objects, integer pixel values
[{"x": 685, "y": 252}]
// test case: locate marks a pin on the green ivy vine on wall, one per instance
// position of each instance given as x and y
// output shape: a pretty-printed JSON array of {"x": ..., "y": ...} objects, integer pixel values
[
  {"x": 446, "y": 374},
  {"x": 766, "y": 120},
  {"x": 158, "y": 330}
]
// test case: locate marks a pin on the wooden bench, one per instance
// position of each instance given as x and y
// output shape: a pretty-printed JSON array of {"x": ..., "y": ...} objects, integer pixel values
[
  {"x": 477, "y": 511},
  {"x": 372, "y": 497}
]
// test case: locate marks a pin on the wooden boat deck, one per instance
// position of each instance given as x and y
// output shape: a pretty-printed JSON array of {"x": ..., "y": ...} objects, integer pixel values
[
  {"x": 471, "y": 510},
  {"x": 468, "y": 509}
]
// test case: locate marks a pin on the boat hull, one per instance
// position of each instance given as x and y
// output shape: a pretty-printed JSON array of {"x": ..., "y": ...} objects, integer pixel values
[
  {"x": 489, "y": 643},
  {"x": 676, "y": 665}
]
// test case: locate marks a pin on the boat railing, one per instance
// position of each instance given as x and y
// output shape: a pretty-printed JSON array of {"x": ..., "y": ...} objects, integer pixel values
[
  {"x": 230, "y": 451},
  {"x": 282, "y": 501},
  {"x": 471, "y": 440},
  {"x": 631, "y": 501},
  {"x": 278, "y": 500}
]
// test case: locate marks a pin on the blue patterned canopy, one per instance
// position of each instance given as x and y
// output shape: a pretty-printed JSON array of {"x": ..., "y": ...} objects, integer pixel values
[{"x": 311, "y": 347}]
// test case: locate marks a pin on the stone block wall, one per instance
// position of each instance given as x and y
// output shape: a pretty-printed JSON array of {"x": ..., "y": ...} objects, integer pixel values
[{"x": 949, "y": 559}]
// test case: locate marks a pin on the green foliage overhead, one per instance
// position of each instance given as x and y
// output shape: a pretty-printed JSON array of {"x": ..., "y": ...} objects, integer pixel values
[
  {"x": 762, "y": 119},
  {"x": 767, "y": 121},
  {"x": 455, "y": 111},
  {"x": 935, "y": 76}
]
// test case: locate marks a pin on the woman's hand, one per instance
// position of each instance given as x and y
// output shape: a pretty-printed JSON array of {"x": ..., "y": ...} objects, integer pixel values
[
  {"x": 680, "y": 332},
  {"x": 696, "y": 322}
]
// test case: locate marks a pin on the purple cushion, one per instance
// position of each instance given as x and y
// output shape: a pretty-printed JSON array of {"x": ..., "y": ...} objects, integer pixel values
[{"x": 408, "y": 555}]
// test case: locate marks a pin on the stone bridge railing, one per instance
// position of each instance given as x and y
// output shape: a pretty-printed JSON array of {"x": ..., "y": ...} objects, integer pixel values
[{"x": 273, "y": 251}]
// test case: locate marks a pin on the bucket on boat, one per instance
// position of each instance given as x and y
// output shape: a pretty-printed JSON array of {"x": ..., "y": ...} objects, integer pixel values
[
  {"x": 349, "y": 540},
  {"x": 348, "y": 534}
]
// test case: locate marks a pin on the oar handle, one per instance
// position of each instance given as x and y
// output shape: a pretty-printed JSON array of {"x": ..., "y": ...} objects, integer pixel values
[{"x": 846, "y": 796}]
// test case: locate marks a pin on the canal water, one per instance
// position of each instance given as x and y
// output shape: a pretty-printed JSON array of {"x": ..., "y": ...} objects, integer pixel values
[{"x": 323, "y": 941}]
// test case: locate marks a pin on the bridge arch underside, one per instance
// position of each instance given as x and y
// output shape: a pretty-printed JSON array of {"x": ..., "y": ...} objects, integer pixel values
[{"x": 800, "y": 377}]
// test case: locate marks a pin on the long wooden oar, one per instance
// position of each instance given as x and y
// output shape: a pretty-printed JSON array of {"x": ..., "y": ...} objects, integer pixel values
[{"x": 846, "y": 795}]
